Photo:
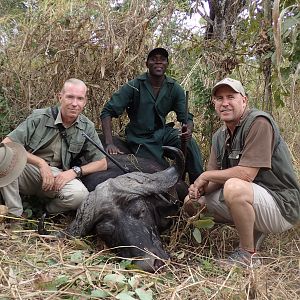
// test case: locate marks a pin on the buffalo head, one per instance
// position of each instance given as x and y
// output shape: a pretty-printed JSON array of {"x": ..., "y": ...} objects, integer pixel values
[{"x": 128, "y": 212}]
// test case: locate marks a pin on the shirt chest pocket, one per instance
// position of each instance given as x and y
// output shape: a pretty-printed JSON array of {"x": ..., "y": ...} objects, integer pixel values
[
  {"x": 36, "y": 142},
  {"x": 234, "y": 157},
  {"x": 75, "y": 147}
]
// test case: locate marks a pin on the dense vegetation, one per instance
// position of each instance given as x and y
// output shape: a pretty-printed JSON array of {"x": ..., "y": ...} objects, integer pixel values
[{"x": 105, "y": 43}]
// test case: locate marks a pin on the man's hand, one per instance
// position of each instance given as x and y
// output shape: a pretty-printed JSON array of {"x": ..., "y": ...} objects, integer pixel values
[
  {"x": 47, "y": 177},
  {"x": 186, "y": 133},
  {"x": 197, "y": 189},
  {"x": 194, "y": 192},
  {"x": 112, "y": 149},
  {"x": 62, "y": 179}
]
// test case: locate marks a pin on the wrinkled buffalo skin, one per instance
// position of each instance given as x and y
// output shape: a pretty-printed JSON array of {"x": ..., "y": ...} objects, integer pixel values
[{"x": 124, "y": 210}]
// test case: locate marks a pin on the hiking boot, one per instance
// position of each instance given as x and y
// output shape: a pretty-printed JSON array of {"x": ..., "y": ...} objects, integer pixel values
[{"x": 242, "y": 258}]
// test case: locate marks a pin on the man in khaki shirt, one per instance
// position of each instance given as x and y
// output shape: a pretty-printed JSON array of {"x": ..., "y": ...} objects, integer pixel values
[
  {"x": 250, "y": 180},
  {"x": 49, "y": 172}
]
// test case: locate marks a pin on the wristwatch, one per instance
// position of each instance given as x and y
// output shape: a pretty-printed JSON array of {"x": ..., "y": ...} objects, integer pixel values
[{"x": 78, "y": 171}]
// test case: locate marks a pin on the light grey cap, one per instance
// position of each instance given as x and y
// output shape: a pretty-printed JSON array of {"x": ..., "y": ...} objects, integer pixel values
[{"x": 234, "y": 84}]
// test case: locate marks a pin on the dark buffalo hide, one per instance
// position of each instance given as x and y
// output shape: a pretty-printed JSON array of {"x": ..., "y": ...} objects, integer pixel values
[
  {"x": 133, "y": 164},
  {"x": 128, "y": 211}
]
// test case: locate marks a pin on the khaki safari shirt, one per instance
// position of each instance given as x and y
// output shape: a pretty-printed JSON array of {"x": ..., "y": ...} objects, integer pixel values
[{"x": 39, "y": 130}]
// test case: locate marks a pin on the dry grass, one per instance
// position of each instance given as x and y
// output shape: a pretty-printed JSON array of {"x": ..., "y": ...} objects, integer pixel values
[
  {"x": 105, "y": 48},
  {"x": 58, "y": 40},
  {"x": 38, "y": 267}
]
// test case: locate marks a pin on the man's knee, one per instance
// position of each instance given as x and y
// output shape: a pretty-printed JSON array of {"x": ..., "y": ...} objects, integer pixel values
[
  {"x": 236, "y": 190},
  {"x": 78, "y": 197},
  {"x": 69, "y": 200}
]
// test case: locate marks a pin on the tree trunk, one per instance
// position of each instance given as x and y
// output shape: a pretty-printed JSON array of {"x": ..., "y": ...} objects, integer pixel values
[{"x": 267, "y": 104}]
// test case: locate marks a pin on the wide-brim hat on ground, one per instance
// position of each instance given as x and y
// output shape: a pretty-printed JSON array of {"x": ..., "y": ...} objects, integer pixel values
[
  {"x": 161, "y": 51},
  {"x": 233, "y": 83},
  {"x": 13, "y": 158}
]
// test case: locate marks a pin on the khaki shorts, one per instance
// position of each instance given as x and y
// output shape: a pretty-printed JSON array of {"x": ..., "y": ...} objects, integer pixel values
[{"x": 268, "y": 217}]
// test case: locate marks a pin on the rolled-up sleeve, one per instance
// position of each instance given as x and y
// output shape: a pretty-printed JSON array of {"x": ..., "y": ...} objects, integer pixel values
[
  {"x": 23, "y": 133},
  {"x": 91, "y": 152}
]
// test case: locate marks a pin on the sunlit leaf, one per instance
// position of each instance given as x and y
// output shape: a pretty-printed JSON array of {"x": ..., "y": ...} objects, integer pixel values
[
  {"x": 125, "y": 263},
  {"x": 197, "y": 235},
  {"x": 115, "y": 278},
  {"x": 77, "y": 257},
  {"x": 144, "y": 294},
  {"x": 51, "y": 262},
  {"x": 61, "y": 280},
  {"x": 99, "y": 294},
  {"x": 133, "y": 282},
  {"x": 204, "y": 223},
  {"x": 125, "y": 296}
]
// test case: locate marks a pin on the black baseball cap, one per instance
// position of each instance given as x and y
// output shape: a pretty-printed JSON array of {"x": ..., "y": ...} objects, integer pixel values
[{"x": 161, "y": 51}]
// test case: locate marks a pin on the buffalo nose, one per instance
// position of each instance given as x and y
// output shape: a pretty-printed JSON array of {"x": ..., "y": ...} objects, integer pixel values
[{"x": 158, "y": 263}]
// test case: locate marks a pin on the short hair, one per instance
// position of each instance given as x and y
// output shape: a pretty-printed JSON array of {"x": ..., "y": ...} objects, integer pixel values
[{"x": 74, "y": 81}]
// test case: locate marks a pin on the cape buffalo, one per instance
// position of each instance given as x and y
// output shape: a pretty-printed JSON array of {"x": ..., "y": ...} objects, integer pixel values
[{"x": 129, "y": 211}]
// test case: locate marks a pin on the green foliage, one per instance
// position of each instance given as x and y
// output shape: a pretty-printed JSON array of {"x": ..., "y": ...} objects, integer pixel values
[
  {"x": 53, "y": 285},
  {"x": 204, "y": 222},
  {"x": 127, "y": 287},
  {"x": 144, "y": 294},
  {"x": 77, "y": 257},
  {"x": 202, "y": 97},
  {"x": 288, "y": 53},
  {"x": 4, "y": 119},
  {"x": 197, "y": 235},
  {"x": 202, "y": 100},
  {"x": 12, "y": 7},
  {"x": 99, "y": 294}
]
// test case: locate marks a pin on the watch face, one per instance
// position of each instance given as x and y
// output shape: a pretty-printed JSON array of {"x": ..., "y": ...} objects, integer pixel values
[{"x": 77, "y": 170}]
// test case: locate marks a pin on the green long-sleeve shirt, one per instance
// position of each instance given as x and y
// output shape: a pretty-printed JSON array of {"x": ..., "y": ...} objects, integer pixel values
[{"x": 146, "y": 112}]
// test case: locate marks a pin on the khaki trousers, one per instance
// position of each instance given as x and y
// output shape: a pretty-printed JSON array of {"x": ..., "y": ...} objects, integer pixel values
[
  {"x": 268, "y": 218},
  {"x": 29, "y": 183}
]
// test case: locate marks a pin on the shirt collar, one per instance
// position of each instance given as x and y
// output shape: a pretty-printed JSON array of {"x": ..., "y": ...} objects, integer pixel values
[{"x": 59, "y": 119}]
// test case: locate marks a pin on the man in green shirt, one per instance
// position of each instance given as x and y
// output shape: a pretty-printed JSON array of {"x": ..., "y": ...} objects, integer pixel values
[
  {"x": 49, "y": 172},
  {"x": 147, "y": 100}
]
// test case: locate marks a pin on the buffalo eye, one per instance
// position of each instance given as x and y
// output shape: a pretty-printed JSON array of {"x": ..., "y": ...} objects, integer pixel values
[
  {"x": 139, "y": 213},
  {"x": 105, "y": 228},
  {"x": 137, "y": 209}
]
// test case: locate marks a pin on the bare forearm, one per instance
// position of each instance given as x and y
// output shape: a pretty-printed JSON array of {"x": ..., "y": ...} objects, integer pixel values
[
  {"x": 221, "y": 176},
  {"x": 95, "y": 166},
  {"x": 107, "y": 131},
  {"x": 31, "y": 158},
  {"x": 6, "y": 140},
  {"x": 211, "y": 187}
]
